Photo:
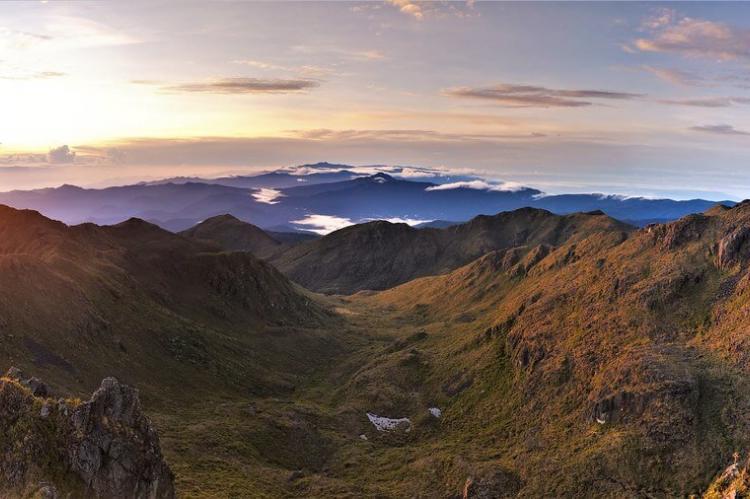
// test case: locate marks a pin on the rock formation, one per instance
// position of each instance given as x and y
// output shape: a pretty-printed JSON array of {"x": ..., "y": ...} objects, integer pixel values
[{"x": 104, "y": 447}]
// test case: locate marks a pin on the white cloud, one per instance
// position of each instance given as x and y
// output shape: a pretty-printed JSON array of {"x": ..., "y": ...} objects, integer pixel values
[
  {"x": 400, "y": 220},
  {"x": 268, "y": 196},
  {"x": 480, "y": 185},
  {"x": 420, "y": 10},
  {"x": 322, "y": 224},
  {"x": 413, "y": 9},
  {"x": 694, "y": 37}
]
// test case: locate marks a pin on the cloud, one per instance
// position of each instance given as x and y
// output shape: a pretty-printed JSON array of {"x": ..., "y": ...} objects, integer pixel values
[
  {"x": 420, "y": 10},
  {"x": 322, "y": 224},
  {"x": 368, "y": 55},
  {"x": 512, "y": 95},
  {"x": 710, "y": 102},
  {"x": 399, "y": 220},
  {"x": 61, "y": 154},
  {"x": 404, "y": 135},
  {"x": 19, "y": 40},
  {"x": 480, "y": 185},
  {"x": 719, "y": 130},
  {"x": 341, "y": 53},
  {"x": 267, "y": 196},
  {"x": 694, "y": 38},
  {"x": 413, "y": 9},
  {"x": 36, "y": 75},
  {"x": 238, "y": 86},
  {"x": 676, "y": 76},
  {"x": 307, "y": 70},
  {"x": 659, "y": 18}
]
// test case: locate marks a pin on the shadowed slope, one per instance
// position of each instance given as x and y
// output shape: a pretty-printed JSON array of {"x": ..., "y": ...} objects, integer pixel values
[
  {"x": 132, "y": 300},
  {"x": 232, "y": 234}
]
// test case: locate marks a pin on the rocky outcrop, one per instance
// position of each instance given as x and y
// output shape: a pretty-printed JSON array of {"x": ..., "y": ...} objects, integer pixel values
[
  {"x": 675, "y": 234},
  {"x": 114, "y": 447},
  {"x": 105, "y": 447},
  {"x": 729, "y": 248},
  {"x": 37, "y": 387}
]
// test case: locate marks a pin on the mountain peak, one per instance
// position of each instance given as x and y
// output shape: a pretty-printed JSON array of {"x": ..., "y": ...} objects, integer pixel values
[
  {"x": 226, "y": 217},
  {"x": 232, "y": 234}
]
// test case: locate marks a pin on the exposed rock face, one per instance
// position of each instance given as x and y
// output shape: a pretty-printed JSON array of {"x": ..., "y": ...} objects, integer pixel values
[
  {"x": 115, "y": 449},
  {"x": 730, "y": 247},
  {"x": 675, "y": 234},
  {"x": 105, "y": 447}
]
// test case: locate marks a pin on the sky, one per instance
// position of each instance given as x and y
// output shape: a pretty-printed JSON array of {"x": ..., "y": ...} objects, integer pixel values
[{"x": 630, "y": 98}]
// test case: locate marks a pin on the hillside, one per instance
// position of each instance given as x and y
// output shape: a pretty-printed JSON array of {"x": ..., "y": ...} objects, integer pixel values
[
  {"x": 575, "y": 356},
  {"x": 379, "y": 255},
  {"x": 168, "y": 315},
  {"x": 607, "y": 366},
  {"x": 133, "y": 299},
  {"x": 232, "y": 234}
]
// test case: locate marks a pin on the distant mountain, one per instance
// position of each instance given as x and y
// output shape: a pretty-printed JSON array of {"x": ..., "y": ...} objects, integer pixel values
[
  {"x": 297, "y": 202},
  {"x": 634, "y": 209},
  {"x": 272, "y": 180},
  {"x": 383, "y": 196},
  {"x": 188, "y": 203},
  {"x": 232, "y": 234},
  {"x": 379, "y": 255}
]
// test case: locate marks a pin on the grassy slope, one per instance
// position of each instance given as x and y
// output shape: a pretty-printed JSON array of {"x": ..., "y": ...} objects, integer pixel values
[{"x": 520, "y": 349}]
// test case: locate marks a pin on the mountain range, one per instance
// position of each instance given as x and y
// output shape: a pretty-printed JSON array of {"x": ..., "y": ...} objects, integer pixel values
[
  {"x": 325, "y": 198},
  {"x": 515, "y": 355}
]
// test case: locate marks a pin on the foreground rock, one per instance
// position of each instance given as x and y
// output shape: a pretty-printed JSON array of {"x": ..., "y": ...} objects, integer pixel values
[{"x": 104, "y": 447}]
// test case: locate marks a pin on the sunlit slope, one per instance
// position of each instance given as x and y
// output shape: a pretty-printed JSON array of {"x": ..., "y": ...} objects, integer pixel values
[{"x": 608, "y": 365}]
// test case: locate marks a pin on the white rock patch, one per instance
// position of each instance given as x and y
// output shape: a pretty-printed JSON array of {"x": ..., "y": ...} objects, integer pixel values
[
  {"x": 435, "y": 412},
  {"x": 387, "y": 424}
]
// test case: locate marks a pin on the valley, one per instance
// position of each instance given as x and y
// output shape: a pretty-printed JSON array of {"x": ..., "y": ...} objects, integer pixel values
[{"x": 585, "y": 356}]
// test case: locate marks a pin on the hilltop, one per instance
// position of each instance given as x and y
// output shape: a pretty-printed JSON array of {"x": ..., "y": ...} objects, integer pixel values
[{"x": 232, "y": 234}]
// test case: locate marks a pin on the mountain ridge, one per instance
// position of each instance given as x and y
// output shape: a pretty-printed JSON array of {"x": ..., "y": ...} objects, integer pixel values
[
  {"x": 380, "y": 254},
  {"x": 348, "y": 196}
]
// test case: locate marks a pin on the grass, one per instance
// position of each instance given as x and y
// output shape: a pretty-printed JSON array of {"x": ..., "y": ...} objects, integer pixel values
[{"x": 517, "y": 362}]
